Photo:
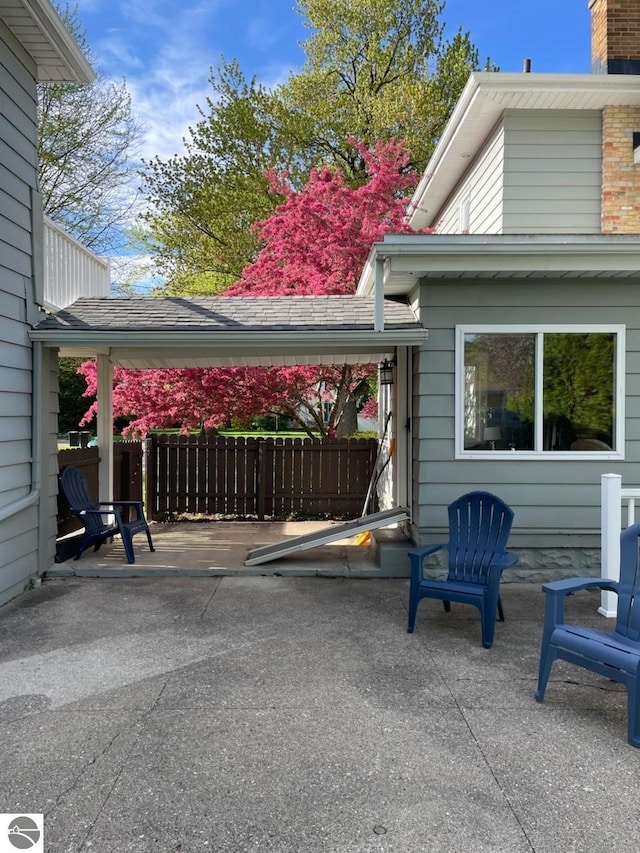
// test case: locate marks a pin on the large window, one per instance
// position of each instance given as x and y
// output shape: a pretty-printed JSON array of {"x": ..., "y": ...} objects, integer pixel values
[{"x": 532, "y": 391}]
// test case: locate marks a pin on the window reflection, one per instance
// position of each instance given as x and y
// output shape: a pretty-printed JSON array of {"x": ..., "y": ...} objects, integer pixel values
[{"x": 578, "y": 386}]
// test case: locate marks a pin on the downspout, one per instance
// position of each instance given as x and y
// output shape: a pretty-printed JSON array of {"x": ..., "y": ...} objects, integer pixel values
[{"x": 36, "y": 441}]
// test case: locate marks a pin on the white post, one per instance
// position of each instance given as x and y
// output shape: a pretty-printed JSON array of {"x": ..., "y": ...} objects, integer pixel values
[
  {"x": 105, "y": 427},
  {"x": 611, "y": 524},
  {"x": 378, "y": 320}
]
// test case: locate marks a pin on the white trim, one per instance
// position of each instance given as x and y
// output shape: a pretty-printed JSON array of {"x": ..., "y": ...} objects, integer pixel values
[{"x": 619, "y": 385}]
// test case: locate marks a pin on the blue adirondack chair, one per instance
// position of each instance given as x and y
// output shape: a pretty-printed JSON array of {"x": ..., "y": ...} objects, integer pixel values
[
  {"x": 614, "y": 655},
  {"x": 479, "y": 527},
  {"x": 101, "y": 520}
]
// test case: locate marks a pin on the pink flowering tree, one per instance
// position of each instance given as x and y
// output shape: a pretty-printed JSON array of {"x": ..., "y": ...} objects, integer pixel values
[{"x": 316, "y": 242}]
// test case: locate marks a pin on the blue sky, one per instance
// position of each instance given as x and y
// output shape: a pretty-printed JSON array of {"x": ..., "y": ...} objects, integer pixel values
[{"x": 165, "y": 48}]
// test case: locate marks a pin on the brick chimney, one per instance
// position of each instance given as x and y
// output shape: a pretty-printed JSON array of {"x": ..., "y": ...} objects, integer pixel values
[
  {"x": 615, "y": 49},
  {"x": 615, "y": 36}
]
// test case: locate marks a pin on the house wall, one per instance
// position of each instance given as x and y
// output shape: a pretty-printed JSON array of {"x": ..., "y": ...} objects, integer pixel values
[
  {"x": 540, "y": 173},
  {"x": 19, "y": 209},
  {"x": 482, "y": 188},
  {"x": 556, "y": 503},
  {"x": 553, "y": 172}
]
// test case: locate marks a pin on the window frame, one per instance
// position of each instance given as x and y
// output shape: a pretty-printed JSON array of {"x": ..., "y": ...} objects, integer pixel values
[{"x": 619, "y": 331}]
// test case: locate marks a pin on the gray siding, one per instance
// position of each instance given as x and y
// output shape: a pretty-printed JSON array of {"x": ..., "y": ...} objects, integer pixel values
[
  {"x": 19, "y": 534},
  {"x": 483, "y": 185},
  {"x": 552, "y": 172},
  {"x": 539, "y": 173},
  {"x": 557, "y": 503}
]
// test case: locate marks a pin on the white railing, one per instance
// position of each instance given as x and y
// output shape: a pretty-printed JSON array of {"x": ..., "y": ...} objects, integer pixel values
[
  {"x": 70, "y": 269},
  {"x": 613, "y": 496}
]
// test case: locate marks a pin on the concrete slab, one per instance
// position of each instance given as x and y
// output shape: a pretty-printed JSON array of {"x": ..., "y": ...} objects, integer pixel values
[
  {"x": 220, "y": 548},
  {"x": 287, "y": 713}
]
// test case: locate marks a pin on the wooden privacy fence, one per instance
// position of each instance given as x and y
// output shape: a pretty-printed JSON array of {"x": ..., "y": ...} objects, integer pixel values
[
  {"x": 127, "y": 476},
  {"x": 258, "y": 477}
]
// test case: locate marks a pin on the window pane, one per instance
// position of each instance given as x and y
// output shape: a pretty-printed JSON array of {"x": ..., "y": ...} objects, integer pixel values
[
  {"x": 578, "y": 399},
  {"x": 499, "y": 391}
]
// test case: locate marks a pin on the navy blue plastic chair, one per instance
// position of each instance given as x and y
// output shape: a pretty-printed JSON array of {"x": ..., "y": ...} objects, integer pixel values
[
  {"x": 101, "y": 520},
  {"x": 479, "y": 527},
  {"x": 614, "y": 655}
]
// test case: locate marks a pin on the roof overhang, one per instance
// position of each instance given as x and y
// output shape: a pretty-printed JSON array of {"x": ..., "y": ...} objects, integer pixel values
[
  {"x": 406, "y": 259},
  {"x": 220, "y": 339},
  {"x": 479, "y": 109},
  {"x": 42, "y": 34}
]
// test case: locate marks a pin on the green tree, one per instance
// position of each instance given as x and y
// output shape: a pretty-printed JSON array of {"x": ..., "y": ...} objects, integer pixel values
[
  {"x": 72, "y": 386},
  {"x": 375, "y": 70},
  {"x": 88, "y": 138},
  {"x": 204, "y": 202}
]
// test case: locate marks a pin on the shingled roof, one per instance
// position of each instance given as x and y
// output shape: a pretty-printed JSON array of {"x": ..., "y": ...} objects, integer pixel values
[
  {"x": 224, "y": 313},
  {"x": 222, "y": 330}
]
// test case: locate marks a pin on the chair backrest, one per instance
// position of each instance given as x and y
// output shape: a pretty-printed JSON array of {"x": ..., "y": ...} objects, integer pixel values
[
  {"x": 628, "y": 617},
  {"x": 76, "y": 490},
  {"x": 479, "y": 527}
]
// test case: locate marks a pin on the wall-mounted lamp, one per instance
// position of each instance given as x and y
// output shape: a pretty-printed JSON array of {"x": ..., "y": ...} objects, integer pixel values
[{"x": 385, "y": 372}]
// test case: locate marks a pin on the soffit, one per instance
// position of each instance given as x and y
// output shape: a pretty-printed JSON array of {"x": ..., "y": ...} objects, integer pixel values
[
  {"x": 409, "y": 258},
  {"x": 41, "y": 32}
]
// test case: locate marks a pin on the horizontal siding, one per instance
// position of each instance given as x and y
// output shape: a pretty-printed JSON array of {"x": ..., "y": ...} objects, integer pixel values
[
  {"x": 19, "y": 538},
  {"x": 552, "y": 172},
  {"x": 483, "y": 184},
  {"x": 555, "y": 502}
]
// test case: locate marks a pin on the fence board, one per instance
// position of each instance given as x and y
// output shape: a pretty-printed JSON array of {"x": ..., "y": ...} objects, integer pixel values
[{"x": 249, "y": 477}]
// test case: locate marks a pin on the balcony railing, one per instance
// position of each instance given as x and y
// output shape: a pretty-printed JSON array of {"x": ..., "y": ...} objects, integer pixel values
[
  {"x": 70, "y": 269},
  {"x": 613, "y": 497}
]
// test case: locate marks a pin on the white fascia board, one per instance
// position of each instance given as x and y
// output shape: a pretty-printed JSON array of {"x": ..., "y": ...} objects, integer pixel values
[
  {"x": 433, "y": 253},
  {"x": 347, "y": 340},
  {"x": 47, "y": 20}
]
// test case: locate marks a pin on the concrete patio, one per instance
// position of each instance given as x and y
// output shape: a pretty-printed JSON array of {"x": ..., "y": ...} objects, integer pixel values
[
  {"x": 294, "y": 714},
  {"x": 219, "y": 548}
]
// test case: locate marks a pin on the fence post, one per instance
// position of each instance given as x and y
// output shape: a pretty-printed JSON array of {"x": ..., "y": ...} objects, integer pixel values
[
  {"x": 262, "y": 480},
  {"x": 150, "y": 463},
  {"x": 611, "y": 525}
]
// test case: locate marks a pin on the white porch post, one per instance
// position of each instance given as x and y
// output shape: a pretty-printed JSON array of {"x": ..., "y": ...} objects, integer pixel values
[
  {"x": 105, "y": 427},
  {"x": 611, "y": 524},
  {"x": 378, "y": 320},
  {"x": 400, "y": 465}
]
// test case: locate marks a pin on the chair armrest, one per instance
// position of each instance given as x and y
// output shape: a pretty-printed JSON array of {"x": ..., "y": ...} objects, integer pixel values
[
  {"x": 505, "y": 560},
  {"x": 426, "y": 550},
  {"x": 557, "y": 591},
  {"x": 98, "y": 512},
  {"x": 136, "y": 504},
  {"x": 569, "y": 585}
]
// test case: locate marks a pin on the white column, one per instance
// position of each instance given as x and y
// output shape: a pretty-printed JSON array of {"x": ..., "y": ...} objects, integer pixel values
[
  {"x": 105, "y": 427},
  {"x": 611, "y": 525},
  {"x": 378, "y": 320},
  {"x": 401, "y": 417}
]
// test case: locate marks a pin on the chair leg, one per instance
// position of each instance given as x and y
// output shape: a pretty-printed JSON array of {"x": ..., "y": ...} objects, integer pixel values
[
  {"x": 128, "y": 544},
  {"x": 447, "y": 606},
  {"x": 488, "y": 625},
  {"x": 413, "y": 607},
  {"x": 148, "y": 532},
  {"x": 633, "y": 712},
  {"x": 500, "y": 610},
  {"x": 547, "y": 657}
]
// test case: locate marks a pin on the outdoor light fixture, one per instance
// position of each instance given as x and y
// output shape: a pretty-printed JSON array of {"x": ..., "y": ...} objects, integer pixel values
[{"x": 385, "y": 372}]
